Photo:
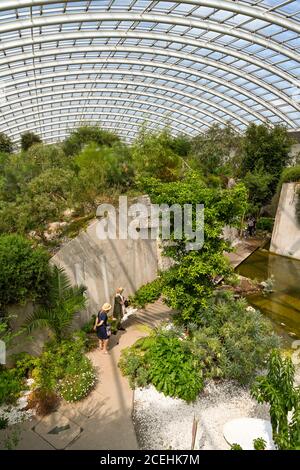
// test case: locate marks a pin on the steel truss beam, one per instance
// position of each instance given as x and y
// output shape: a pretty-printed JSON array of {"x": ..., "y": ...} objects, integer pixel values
[
  {"x": 170, "y": 118},
  {"x": 72, "y": 121},
  {"x": 130, "y": 90},
  {"x": 254, "y": 11},
  {"x": 169, "y": 78},
  {"x": 141, "y": 50},
  {"x": 164, "y": 65},
  {"x": 189, "y": 22},
  {"x": 194, "y": 85},
  {"x": 64, "y": 115}
]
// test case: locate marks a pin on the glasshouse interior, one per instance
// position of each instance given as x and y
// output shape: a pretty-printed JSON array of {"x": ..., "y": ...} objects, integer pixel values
[{"x": 149, "y": 225}]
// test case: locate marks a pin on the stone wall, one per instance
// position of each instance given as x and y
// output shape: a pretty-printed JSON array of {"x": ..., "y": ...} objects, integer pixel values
[
  {"x": 104, "y": 265},
  {"x": 286, "y": 232}
]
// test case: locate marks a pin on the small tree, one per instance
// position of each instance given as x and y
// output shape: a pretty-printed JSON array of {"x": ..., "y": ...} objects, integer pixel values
[
  {"x": 28, "y": 139},
  {"x": 65, "y": 302},
  {"x": 277, "y": 389},
  {"x": 6, "y": 145}
]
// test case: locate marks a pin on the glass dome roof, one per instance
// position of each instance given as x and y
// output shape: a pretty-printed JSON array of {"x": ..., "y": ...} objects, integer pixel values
[{"x": 122, "y": 62}]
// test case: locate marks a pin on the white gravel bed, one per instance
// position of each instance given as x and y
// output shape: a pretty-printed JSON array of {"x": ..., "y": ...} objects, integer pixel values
[
  {"x": 17, "y": 413},
  {"x": 166, "y": 423}
]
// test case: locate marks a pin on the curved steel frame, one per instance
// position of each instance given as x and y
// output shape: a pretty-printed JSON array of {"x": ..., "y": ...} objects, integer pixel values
[{"x": 17, "y": 69}]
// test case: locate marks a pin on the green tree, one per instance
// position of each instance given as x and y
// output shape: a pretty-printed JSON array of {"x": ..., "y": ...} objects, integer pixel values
[
  {"x": 154, "y": 155},
  {"x": 266, "y": 149},
  {"x": 65, "y": 302},
  {"x": 258, "y": 185},
  {"x": 278, "y": 390},
  {"x": 215, "y": 148},
  {"x": 6, "y": 145},
  {"x": 100, "y": 168},
  {"x": 28, "y": 139},
  {"x": 24, "y": 271},
  {"x": 188, "y": 285},
  {"x": 85, "y": 135}
]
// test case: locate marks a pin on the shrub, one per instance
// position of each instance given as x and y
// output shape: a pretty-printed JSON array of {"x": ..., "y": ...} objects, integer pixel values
[
  {"x": 278, "y": 391},
  {"x": 173, "y": 370},
  {"x": 24, "y": 271},
  {"x": 232, "y": 341},
  {"x": 63, "y": 370},
  {"x": 44, "y": 401},
  {"x": 167, "y": 363},
  {"x": 11, "y": 385},
  {"x": 146, "y": 294},
  {"x": 265, "y": 223},
  {"x": 75, "y": 387}
]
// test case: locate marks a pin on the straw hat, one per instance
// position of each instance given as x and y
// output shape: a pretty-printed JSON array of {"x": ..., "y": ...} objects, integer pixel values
[
  {"x": 120, "y": 289},
  {"x": 106, "y": 307}
]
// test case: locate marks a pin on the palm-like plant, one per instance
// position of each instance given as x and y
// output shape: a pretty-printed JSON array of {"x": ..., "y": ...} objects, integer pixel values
[{"x": 64, "y": 302}]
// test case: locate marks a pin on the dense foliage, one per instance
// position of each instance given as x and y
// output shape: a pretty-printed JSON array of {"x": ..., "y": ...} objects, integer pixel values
[
  {"x": 85, "y": 135},
  {"x": 278, "y": 391},
  {"x": 24, "y": 271},
  {"x": 64, "y": 302},
  {"x": 28, "y": 139},
  {"x": 6, "y": 145},
  {"x": 166, "y": 362},
  {"x": 188, "y": 285},
  {"x": 177, "y": 361},
  {"x": 214, "y": 151},
  {"x": 147, "y": 294},
  {"x": 266, "y": 149},
  {"x": 157, "y": 155}
]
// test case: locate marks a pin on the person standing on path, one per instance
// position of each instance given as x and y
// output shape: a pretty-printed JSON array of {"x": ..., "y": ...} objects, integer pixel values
[
  {"x": 119, "y": 307},
  {"x": 102, "y": 328}
]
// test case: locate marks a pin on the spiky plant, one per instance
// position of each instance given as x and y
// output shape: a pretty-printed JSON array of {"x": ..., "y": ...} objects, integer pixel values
[{"x": 65, "y": 302}]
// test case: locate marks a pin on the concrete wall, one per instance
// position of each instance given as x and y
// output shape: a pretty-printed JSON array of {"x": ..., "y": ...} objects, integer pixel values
[
  {"x": 286, "y": 232},
  {"x": 104, "y": 265}
]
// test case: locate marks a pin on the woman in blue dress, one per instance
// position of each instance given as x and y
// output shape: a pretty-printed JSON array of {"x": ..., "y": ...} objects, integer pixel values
[{"x": 102, "y": 327}]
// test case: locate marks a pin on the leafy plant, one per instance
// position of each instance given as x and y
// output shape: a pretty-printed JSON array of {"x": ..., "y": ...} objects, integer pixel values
[
  {"x": 65, "y": 302},
  {"x": 165, "y": 361},
  {"x": 24, "y": 271},
  {"x": 259, "y": 444},
  {"x": 173, "y": 370},
  {"x": 266, "y": 149},
  {"x": 278, "y": 390},
  {"x": 77, "y": 386},
  {"x": 11, "y": 385},
  {"x": 218, "y": 345},
  {"x": 147, "y": 294}
]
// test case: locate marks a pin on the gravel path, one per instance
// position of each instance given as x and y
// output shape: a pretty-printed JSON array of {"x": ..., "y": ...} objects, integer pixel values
[{"x": 166, "y": 423}]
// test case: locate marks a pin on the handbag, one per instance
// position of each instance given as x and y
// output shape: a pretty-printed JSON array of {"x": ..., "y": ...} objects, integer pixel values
[{"x": 108, "y": 330}]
